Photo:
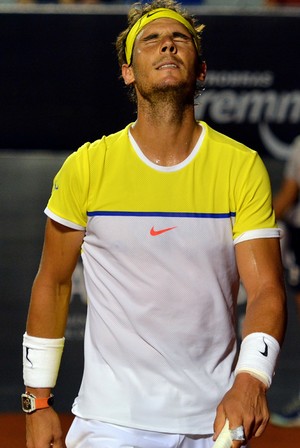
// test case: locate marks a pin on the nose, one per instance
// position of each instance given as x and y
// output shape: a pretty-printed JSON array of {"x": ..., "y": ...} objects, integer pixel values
[{"x": 168, "y": 45}]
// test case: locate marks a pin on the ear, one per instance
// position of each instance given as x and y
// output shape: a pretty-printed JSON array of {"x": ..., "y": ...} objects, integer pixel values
[
  {"x": 202, "y": 72},
  {"x": 127, "y": 73}
]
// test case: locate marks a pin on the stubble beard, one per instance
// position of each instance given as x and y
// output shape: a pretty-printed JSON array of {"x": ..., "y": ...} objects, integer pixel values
[{"x": 168, "y": 97}]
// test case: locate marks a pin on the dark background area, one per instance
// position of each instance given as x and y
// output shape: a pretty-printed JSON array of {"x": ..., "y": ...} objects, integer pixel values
[{"x": 60, "y": 83}]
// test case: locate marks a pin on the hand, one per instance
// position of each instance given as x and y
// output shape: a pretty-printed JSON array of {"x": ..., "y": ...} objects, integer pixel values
[
  {"x": 244, "y": 404},
  {"x": 43, "y": 429}
]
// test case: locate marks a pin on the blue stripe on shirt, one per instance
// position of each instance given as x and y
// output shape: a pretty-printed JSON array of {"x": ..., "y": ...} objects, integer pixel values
[{"x": 163, "y": 214}]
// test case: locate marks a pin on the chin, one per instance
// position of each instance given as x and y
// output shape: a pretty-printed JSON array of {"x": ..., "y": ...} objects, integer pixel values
[{"x": 172, "y": 86}]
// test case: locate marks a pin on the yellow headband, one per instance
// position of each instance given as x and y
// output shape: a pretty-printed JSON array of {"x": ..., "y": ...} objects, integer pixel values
[{"x": 149, "y": 17}]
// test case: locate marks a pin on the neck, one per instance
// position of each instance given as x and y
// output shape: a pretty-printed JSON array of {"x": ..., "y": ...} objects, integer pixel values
[
  {"x": 166, "y": 135},
  {"x": 166, "y": 106}
]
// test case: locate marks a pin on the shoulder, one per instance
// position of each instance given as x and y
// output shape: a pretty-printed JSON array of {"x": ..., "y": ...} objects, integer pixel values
[
  {"x": 92, "y": 152},
  {"x": 105, "y": 143},
  {"x": 221, "y": 142}
]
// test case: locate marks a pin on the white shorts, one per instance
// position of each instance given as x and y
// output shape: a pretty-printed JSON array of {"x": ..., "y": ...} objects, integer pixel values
[{"x": 95, "y": 434}]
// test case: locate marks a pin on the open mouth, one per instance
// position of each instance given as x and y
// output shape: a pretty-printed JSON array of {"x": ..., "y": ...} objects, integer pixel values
[{"x": 167, "y": 66}]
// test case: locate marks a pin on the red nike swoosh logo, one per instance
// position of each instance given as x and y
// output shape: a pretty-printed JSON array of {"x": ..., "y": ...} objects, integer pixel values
[{"x": 154, "y": 232}]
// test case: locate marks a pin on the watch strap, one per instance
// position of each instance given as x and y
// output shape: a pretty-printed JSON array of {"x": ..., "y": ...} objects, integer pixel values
[{"x": 43, "y": 402}]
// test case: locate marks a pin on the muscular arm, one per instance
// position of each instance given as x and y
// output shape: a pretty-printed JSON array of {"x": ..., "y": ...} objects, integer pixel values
[
  {"x": 52, "y": 286},
  {"x": 259, "y": 265},
  {"x": 260, "y": 268},
  {"x": 47, "y": 318}
]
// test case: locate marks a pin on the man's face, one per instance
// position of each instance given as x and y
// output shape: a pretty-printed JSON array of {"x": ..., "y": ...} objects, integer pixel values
[{"x": 164, "y": 58}]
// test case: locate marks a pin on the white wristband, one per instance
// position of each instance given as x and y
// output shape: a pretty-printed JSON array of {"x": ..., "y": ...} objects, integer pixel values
[
  {"x": 41, "y": 360},
  {"x": 258, "y": 356}
]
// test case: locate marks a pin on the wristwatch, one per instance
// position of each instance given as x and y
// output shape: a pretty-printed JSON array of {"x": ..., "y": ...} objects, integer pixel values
[{"x": 30, "y": 403}]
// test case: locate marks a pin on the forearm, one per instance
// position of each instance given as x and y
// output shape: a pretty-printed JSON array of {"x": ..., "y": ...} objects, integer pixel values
[
  {"x": 48, "y": 309},
  {"x": 261, "y": 272},
  {"x": 51, "y": 289},
  {"x": 263, "y": 333},
  {"x": 267, "y": 313},
  {"x": 43, "y": 342}
]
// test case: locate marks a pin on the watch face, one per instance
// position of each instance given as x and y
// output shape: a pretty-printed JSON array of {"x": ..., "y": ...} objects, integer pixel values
[{"x": 26, "y": 403}]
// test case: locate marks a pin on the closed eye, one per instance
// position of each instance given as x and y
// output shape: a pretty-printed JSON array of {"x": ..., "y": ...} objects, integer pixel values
[
  {"x": 150, "y": 37},
  {"x": 176, "y": 36},
  {"x": 181, "y": 37}
]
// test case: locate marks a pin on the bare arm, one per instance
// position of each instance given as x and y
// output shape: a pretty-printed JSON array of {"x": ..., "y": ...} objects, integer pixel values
[
  {"x": 260, "y": 268},
  {"x": 259, "y": 264},
  {"x": 47, "y": 317},
  {"x": 285, "y": 198},
  {"x": 52, "y": 286}
]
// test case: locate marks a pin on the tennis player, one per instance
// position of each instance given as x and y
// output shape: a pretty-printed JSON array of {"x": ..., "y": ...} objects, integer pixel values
[{"x": 168, "y": 215}]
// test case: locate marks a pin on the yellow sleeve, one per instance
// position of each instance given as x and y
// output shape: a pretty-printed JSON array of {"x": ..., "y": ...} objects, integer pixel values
[
  {"x": 253, "y": 198},
  {"x": 69, "y": 195}
]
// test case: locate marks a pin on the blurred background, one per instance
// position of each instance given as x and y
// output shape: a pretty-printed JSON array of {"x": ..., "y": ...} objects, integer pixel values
[{"x": 60, "y": 87}]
